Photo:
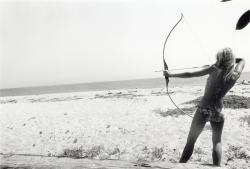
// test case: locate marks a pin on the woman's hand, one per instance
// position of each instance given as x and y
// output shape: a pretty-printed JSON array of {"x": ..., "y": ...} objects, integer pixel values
[{"x": 166, "y": 73}]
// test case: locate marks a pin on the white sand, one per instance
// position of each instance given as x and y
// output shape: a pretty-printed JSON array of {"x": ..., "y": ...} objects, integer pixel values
[{"x": 126, "y": 124}]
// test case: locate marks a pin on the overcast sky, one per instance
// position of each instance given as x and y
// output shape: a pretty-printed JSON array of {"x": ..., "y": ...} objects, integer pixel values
[{"x": 50, "y": 42}]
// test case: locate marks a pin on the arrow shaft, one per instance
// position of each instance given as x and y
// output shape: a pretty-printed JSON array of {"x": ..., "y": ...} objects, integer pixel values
[{"x": 183, "y": 68}]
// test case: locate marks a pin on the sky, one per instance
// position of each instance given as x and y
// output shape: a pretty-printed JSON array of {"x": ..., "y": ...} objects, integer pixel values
[{"x": 51, "y": 42}]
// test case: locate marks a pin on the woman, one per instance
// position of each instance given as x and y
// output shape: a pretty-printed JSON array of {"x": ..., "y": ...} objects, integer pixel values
[{"x": 222, "y": 77}]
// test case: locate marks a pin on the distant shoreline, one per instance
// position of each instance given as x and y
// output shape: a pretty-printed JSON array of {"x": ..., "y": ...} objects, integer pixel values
[{"x": 110, "y": 85}]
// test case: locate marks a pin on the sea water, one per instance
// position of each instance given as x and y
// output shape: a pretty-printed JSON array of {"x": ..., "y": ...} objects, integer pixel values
[{"x": 112, "y": 85}]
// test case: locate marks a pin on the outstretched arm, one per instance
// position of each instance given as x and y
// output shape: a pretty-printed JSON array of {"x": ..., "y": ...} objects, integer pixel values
[{"x": 202, "y": 72}]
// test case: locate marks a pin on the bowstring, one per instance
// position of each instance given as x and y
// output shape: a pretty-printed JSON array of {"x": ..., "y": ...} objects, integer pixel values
[
  {"x": 203, "y": 51},
  {"x": 176, "y": 104},
  {"x": 200, "y": 44}
]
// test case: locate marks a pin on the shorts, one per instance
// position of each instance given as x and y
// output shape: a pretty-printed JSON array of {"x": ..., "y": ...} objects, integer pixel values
[{"x": 211, "y": 115}]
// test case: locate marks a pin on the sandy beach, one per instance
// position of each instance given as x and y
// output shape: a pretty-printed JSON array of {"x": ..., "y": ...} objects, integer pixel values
[{"x": 134, "y": 126}]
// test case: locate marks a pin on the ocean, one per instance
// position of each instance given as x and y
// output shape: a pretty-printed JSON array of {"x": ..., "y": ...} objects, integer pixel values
[{"x": 111, "y": 85}]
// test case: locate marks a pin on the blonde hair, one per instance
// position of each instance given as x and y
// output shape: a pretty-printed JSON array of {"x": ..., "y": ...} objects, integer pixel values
[
  {"x": 225, "y": 57},
  {"x": 226, "y": 60}
]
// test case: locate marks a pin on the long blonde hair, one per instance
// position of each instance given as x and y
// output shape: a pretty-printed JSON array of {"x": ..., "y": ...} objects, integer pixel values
[{"x": 226, "y": 60}]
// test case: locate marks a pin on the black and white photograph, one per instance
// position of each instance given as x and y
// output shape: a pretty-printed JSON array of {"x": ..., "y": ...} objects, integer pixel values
[{"x": 124, "y": 84}]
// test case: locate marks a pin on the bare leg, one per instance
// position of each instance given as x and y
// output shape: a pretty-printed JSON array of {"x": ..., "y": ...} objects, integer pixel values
[
  {"x": 216, "y": 138},
  {"x": 197, "y": 126}
]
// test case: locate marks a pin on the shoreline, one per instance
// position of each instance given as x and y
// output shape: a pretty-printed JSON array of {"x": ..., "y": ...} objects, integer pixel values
[{"x": 111, "y": 85}]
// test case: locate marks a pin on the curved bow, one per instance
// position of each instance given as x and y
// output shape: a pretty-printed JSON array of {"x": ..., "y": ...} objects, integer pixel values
[{"x": 166, "y": 66}]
